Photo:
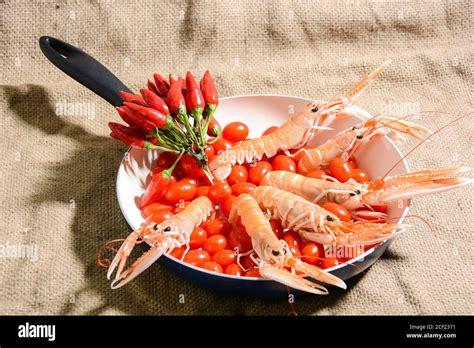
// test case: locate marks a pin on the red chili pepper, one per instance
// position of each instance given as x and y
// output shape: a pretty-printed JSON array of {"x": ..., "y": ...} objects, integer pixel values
[
  {"x": 194, "y": 98},
  {"x": 151, "y": 115},
  {"x": 214, "y": 128},
  {"x": 124, "y": 116},
  {"x": 133, "y": 98},
  {"x": 208, "y": 88},
  {"x": 172, "y": 79},
  {"x": 175, "y": 99},
  {"x": 154, "y": 101},
  {"x": 152, "y": 87},
  {"x": 138, "y": 119},
  {"x": 129, "y": 136},
  {"x": 161, "y": 85}
]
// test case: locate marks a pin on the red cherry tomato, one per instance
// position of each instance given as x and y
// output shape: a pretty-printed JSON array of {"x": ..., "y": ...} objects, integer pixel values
[
  {"x": 317, "y": 174},
  {"x": 159, "y": 216},
  {"x": 352, "y": 161},
  {"x": 178, "y": 252},
  {"x": 219, "y": 192},
  {"x": 221, "y": 145},
  {"x": 190, "y": 181},
  {"x": 300, "y": 154},
  {"x": 181, "y": 191},
  {"x": 224, "y": 257},
  {"x": 238, "y": 238},
  {"x": 282, "y": 162},
  {"x": 212, "y": 266},
  {"x": 227, "y": 205},
  {"x": 340, "y": 169},
  {"x": 202, "y": 191},
  {"x": 277, "y": 228},
  {"x": 270, "y": 130},
  {"x": 238, "y": 174},
  {"x": 253, "y": 273},
  {"x": 360, "y": 175},
  {"x": 293, "y": 239},
  {"x": 235, "y": 131},
  {"x": 247, "y": 262},
  {"x": 338, "y": 210},
  {"x": 234, "y": 269},
  {"x": 166, "y": 159},
  {"x": 216, "y": 226},
  {"x": 196, "y": 257},
  {"x": 215, "y": 243},
  {"x": 190, "y": 167},
  {"x": 312, "y": 253},
  {"x": 154, "y": 208},
  {"x": 209, "y": 151},
  {"x": 242, "y": 187},
  {"x": 198, "y": 238},
  {"x": 180, "y": 206},
  {"x": 329, "y": 262},
  {"x": 257, "y": 172}
]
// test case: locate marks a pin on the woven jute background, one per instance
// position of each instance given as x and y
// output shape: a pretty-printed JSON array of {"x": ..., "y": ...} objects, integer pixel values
[{"x": 58, "y": 169}]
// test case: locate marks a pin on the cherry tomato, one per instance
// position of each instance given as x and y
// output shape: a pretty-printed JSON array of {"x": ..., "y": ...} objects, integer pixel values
[
  {"x": 221, "y": 145},
  {"x": 238, "y": 238},
  {"x": 212, "y": 266},
  {"x": 166, "y": 159},
  {"x": 217, "y": 226},
  {"x": 282, "y": 162},
  {"x": 197, "y": 257},
  {"x": 338, "y": 210},
  {"x": 159, "y": 216},
  {"x": 198, "y": 238},
  {"x": 381, "y": 208},
  {"x": 293, "y": 239},
  {"x": 224, "y": 257},
  {"x": 219, "y": 192},
  {"x": 180, "y": 206},
  {"x": 242, "y": 187},
  {"x": 300, "y": 154},
  {"x": 340, "y": 169},
  {"x": 181, "y": 191},
  {"x": 352, "y": 161},
  {"x": 247, "y": 262},
  {"x": 235, "y": 131},
  {"x": 238, "y": 174},
  {"x": 227, "y": 205},
  {"x": 215, "y": 243},
  {"x": 234, "y": 269},
  {"x": 154, "y": 208},
  {"x": 277, "y": 228},
  {"x": 317, "y": 174},
  {"x": 178, "y": 252},
  {"x": 360, "y": 175},
  {"x": 202, "y": 191},
  {"x": 257, "y": 172},
  {"x": 190, "y": 181},
  {"x": 270, "y": 130},
  {"x": 370, "y": 246},
  {"x": 253, "y": 273},
  {"x": 190, "y": 167},
  {"x": 209, "y": 151},
  {"x": 329, "y": 262},
  {"x": 312, "y": 253}
]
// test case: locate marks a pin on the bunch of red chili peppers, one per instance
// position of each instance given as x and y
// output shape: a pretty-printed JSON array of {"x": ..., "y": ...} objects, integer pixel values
[{"x": 171, "y": 116}]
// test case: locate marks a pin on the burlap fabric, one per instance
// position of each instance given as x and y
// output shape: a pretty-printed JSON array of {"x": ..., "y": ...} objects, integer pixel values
[{"x": 58, "y": 168}]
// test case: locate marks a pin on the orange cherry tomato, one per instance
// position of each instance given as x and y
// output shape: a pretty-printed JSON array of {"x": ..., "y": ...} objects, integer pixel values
[
  {"x": 202, "y": 191},
  {"x": 212, "y": 266},
  {"x": 340, "y": 169},
  {"x": 238, "y": 238},
  {"x": 329, "y": 262},
  {"x": 235, "y": 131},
  {"x": 242, "y": 187},
  {"x": 216, "y": 226},
  {"x": 178, "y": 252},
  {"x": 224, "y": 257},
  {"x": 215, "y": 243},
  {"x": 196, "y": 257},
  {"x": 159, "y": 216},
  {"x": 360, "y": 175},
  {"x": 317, "y": 174},
  {"x": 221, "y": 145},
  {"x": 298, "y": 157},
  {"x": 338, "y": 210},
  {"x": 219, "y": 192},
  {"x": 293, "y": 239},
  {"x": 198, "y": 238},
  {"x": 166, "y": 159},
  {"x": 257, "y": 172},
  {"x": 312, "y": 253},
  {"x": 253, "y": 273},
  {"x": 277, "y": 228},
  {"x": 154, "y": 208},
  {"x": 227, "y": 205},
  {"x": 209, "y": 151},
  {"x": 270, "y": 130},
  {"x": 234, "y": 269},
  {"x": 352, "y": 161},
  {"x": 282, "y": 162},
  {"x": 238, "y": 174},
  {"x": 181, "y": 191}
]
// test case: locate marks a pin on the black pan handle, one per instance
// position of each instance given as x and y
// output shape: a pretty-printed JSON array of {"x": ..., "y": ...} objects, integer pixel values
[{"x": 84, "y": 69}]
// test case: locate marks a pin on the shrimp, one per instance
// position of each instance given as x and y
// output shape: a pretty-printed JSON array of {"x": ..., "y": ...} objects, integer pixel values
[
  {"x": 353, "y": 195},
  {"x": 347, "y": 141},
  {"x": 294, "y": 133},
  {"x": 317, "y": 224},
  {"x": 165, "y": 236},
  {"x": 273, "y": 254}
]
